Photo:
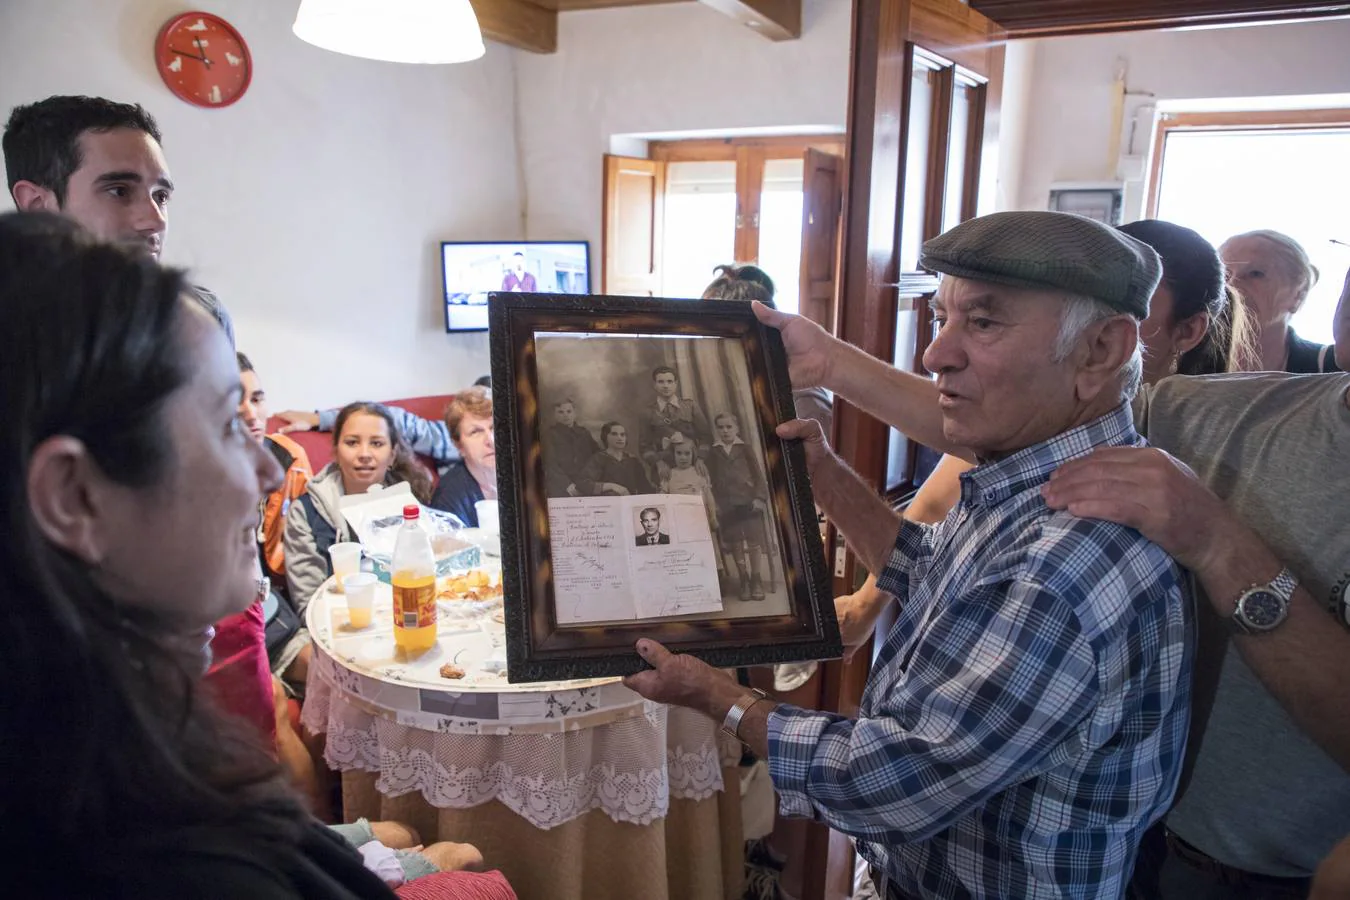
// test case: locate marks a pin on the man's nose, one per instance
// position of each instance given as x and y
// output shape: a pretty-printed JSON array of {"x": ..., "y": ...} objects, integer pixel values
[
  {"x": 943, "y": 352},
  {"x": 151, "y": 217}
]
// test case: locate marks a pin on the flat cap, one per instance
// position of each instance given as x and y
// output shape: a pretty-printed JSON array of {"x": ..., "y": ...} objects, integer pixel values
[{"x": 1050, "y": 251}]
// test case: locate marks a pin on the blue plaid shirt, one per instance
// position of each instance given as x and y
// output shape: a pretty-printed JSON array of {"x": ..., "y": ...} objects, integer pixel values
[{"x": 1025, "y": 720}]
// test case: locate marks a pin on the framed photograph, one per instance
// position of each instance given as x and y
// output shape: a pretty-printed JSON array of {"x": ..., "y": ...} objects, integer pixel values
[{"x": 643, "y": 491}]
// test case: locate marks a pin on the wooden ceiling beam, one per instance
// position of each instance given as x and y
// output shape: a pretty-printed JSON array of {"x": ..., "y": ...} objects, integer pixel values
[
  {"x": 1048, "y": 18},
  {"x": 777, "y": 20},
  {"x": 518, "y": 23}
]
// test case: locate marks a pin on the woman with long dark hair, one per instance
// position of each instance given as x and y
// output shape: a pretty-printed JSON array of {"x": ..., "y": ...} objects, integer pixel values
[
  {"x": 131, "y": 494},
  {"x": 367, "y": 450}
]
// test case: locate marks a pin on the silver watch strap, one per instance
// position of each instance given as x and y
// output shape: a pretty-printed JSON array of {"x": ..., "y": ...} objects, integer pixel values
[
  {"x": 732, "y": 723},
  {"x": 1283, "y": 585}
]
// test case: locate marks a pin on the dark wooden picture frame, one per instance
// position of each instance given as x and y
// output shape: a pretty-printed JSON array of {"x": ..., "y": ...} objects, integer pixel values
[{"x": 539, "y": 647}]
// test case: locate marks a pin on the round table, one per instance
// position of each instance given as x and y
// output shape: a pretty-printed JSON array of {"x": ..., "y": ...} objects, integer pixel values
[{"x": 578, "y": 789}]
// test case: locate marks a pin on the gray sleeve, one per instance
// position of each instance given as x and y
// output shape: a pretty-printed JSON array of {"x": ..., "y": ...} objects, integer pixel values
[
  {"x": 427, "y": 437},
  {"x": 1143, "y": 401},
  {"x": 306, "y": 570}
]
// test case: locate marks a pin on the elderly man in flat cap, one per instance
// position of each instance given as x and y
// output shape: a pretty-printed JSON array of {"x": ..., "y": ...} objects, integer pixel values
[
  {"x": 1244, "y": 484},
  {"x": 1025, "y": 720}
]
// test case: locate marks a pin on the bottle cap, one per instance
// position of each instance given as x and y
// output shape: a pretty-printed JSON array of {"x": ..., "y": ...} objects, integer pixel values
[{"x": 411, "y": 511}]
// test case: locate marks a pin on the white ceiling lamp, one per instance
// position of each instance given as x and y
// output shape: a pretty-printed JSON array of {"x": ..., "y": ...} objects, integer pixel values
[{"x": 405, "y": 31}]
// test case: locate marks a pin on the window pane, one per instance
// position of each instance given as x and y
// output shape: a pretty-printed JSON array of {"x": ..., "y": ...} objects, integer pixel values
[
  {"x": 700, "y": 225},
  {"x": 780, "y": 229},
  {"x": 916, "y": 167},
  {"x": 906, "y": 330},
  {"x": 956, "y": 157},
  {"x": 1223, "y": 183}
]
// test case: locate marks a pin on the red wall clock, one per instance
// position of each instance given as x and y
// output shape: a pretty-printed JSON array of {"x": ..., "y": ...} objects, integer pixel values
[{"x": 203, "y": 60}]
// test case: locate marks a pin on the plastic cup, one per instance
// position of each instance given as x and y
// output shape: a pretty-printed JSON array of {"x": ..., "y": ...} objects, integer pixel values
[
  {"x": 346, "y": 559},
  {"x": 488, "y": 517},
  {"x": 360, "y": 591}
]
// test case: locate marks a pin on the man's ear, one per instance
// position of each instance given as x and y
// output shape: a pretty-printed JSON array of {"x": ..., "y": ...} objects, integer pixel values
[
  {"x": 1108, "y": 345},
  {"x": 65, "y": 488},
  {"x": 30, "y": 197}
]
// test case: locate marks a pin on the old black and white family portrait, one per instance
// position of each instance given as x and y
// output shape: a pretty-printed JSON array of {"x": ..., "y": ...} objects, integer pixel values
[{"x": 652, "y": 416}]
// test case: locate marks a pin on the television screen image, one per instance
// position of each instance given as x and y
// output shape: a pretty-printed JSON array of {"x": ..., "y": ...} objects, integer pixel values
[{"x": 471, "y": 270}]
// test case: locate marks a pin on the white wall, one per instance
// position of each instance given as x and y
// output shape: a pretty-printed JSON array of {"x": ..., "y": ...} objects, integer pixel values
[
  {"x": 1069, "y": 118},
  {"x": 314, "y": 205},
  {"x": 675, "y": 68}
]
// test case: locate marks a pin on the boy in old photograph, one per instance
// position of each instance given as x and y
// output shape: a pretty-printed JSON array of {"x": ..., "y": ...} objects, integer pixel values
[
  {"x": 567, "y": 448},
  {"x": 651, "y": 534},
  {"x": 668, "y": 418},
  {"x": 740, "y": 489}
]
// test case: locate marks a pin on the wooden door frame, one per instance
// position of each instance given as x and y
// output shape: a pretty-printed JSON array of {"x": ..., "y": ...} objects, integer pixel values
[
  {"x": 1050, "y": 18},
  {"x": 865, "y": 316},
  {"x": 882, "y": 60}
]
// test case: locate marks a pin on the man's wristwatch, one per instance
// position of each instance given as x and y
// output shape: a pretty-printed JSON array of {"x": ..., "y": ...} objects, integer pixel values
[
  {"x": 1262, "y": 607},
  {"x": 732, "y": 723}
]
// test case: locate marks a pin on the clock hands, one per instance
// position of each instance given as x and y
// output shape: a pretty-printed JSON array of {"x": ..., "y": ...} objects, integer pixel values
[
  {"x": 200, "y": 54},
  {"x": 191, "y": 56}
]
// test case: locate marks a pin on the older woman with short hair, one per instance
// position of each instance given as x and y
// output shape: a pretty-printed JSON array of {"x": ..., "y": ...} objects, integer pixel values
[
  {"x": 1273, "y": 274},
  {"x": 468, "y": 418}
]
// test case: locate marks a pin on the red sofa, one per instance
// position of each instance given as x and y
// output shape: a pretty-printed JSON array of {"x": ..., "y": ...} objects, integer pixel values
[{"x": 319, "y": 444}]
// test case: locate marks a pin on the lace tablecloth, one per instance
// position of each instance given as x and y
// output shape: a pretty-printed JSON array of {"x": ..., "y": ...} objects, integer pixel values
[{"x": 550, "y": 753}]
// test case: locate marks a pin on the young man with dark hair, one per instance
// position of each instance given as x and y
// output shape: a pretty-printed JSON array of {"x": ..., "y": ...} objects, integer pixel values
[
  {"x": 669, "y": 419},
  {"x": 100, "y": 163}
]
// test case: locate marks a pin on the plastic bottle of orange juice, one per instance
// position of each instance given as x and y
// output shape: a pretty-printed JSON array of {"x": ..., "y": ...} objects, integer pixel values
[{"x": 414, "y": 583}]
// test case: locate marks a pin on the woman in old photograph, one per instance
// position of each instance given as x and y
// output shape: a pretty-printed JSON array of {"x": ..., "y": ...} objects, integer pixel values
[{"x": 614, "y": 471}]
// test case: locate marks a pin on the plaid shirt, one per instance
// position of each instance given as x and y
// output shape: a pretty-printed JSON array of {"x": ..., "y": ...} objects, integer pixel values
[{"x": 1025, "y": 719}]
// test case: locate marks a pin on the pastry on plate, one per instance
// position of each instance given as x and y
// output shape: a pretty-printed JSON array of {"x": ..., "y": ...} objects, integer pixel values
[{"x": 472, "y": 587}]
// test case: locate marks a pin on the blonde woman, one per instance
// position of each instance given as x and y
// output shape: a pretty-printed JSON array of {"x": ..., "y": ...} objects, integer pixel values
[{"x": 1273, "y": 273}]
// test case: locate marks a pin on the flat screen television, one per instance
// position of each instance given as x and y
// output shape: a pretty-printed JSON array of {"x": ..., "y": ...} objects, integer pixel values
[{"x": 470, "y": 270}]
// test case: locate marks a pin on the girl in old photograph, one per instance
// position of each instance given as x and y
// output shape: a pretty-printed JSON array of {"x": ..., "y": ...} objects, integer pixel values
[{"x": 690, "y": 476}]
